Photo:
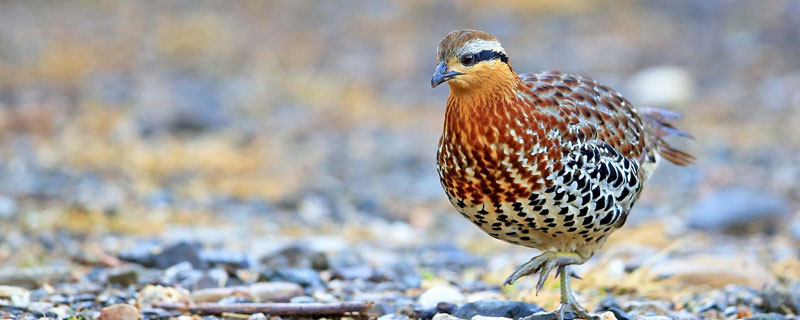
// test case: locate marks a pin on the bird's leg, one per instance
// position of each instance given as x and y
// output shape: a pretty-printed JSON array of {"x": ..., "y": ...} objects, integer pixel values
[
  {"x": 568, "y": 302},
  {"x": 543, "y": 264}
]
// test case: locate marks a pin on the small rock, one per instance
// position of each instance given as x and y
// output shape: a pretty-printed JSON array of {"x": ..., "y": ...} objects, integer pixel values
[
  {"x": 489, "y": 318},
  {"x": 302, "y": 299},
  {"x": 403, "y": 272},
  {"x": 39, "y": 306},
  {"x": 151, "y": 294},
  {"x": 683, "y": 315},
  {"x": 16, "y": 296},
  {"x": 393, "y": 316},
  {"x": 306, "y": 277},
  {"x": 444, "y": 316},
  {"x": 257, "y": 316},
  {"x": 8, "y": 207},
  {"x": 610, "y": 305},
  {"x": 274, "y": 291},
  {"x": 497, "y": 308},
  {"x": 229, "y": 259},
  {"x": 123, "y": 276},
  {"x": 767, "y": 316},
  {"x": 298, "y": 256},
  {"x": 794, "y": 229},
  {"x": 120, "y": 312},
  {"x": 654, "y": 318},
  {"x": 257, "y": 292},
  {"x": 355, "y": 272},
  {"x": 738, "y": 211},
  {"x": 607, "y": 316},
  {"x": 662, "y": 86},
  {"x": 33, "y": 277},
  {"x": 213, "y": 278},
  {"x": 776, "y": 297},
  {"x": 247, "y": 275},
  {"x": 431, "y": 297},
  {"x": 180, "y": 252}
]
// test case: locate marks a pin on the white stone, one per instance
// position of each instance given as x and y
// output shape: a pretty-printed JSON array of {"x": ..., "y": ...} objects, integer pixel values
[
  {"x": 480, "y": 317},
  {"x": 662, "y": 86},
  {"x": 444, "y": 316},
  {"x": 16, "y": 296},
  {"x": 431, "y": 297}
]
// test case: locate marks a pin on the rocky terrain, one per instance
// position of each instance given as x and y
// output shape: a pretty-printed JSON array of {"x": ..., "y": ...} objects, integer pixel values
[{"x": 275, "y": 159}]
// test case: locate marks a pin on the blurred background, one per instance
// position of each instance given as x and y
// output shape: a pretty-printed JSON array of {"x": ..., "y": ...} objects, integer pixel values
[{"x": 253, "y": 125}]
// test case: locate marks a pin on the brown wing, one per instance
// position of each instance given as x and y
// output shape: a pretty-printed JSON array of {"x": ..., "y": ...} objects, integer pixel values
[{"x": 608, "y": 113}]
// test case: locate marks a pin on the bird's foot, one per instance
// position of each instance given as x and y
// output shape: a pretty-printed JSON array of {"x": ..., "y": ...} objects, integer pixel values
[
  {"x": 543, "y": 264},
  {"x": 572, "y": 306}
]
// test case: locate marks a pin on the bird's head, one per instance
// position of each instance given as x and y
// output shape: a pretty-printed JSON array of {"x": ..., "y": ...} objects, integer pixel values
[{"x": 470, "y": 60}]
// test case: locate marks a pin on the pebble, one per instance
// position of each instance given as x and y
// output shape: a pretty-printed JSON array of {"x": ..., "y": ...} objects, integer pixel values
[
  {"x": 768, "y": 316},
  {"x": 776, "y": 297},
  {"x": 306, "y": 277},
  {"x": 433, "y": 296},
  {"x": 178, "y": 253},
  {"x": 120, "y": 312},
  {"x": 124, "y": 276},
  {"x": 257, "y": 292},
  {"x": 402, "y": 272},
  {"x": 33, "y": 277},
  {"x": 393, "y": 316},
  {"x": 489, "y": 318},
  {"x": 444, "y": 316},
  {"x": 497, "y": 308},
  {"x": 151, "y": 294},
  {"x": 274, "y": 291},
  {"x": 257, "y": 316},
  {"x": 15, "y": 296},
  {"x": 662, "y": 86},
  {"x": 302, "y": 299},
  {"x": 739, "y": 210},
  {"x": 297, "y": 256},
  {"x": 794, "y": 229},
  {"x": 8, "y": 207},
  {"x": 610, "y": 305}
]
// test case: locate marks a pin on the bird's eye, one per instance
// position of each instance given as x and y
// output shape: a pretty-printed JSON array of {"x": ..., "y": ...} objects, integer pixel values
[{"x": 468, "y": 60}]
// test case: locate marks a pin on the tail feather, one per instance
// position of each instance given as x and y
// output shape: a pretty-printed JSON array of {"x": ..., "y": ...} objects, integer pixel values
[{"x": 658, "y": 126}]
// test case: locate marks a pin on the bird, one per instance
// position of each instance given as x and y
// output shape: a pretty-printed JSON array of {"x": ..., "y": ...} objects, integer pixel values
[{"x": 546, "y": 160}]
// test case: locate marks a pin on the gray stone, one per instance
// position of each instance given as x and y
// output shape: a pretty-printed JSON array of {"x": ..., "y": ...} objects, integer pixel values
[
  {"x": 180, "y": 252},
  {"x": 739, "y": 210},
  {"x": 767, "y": 316},
  {"x": 497, "y": 308},
  {"x": 8, "y": 207},
  {"x": 777, "y": 297},
  {"x": 794, "y": 229},
  {"x": 305, "y": 277},
  {"x": 393, "y": 316},
  {"x": 124, "y": 275}
]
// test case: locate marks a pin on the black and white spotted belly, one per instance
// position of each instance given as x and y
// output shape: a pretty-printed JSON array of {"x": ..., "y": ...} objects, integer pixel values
[{"x": 583, "y": 203}]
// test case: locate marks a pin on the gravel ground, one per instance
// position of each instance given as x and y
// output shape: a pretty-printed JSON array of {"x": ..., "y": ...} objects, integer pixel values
[{"x": 283, "y": 151}]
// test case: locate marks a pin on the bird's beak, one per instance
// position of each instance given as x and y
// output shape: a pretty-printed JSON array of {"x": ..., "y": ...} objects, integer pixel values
[{"x": 441, "y": 75}]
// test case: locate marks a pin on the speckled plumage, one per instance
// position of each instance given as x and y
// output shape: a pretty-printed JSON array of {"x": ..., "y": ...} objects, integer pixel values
[{"x": 546, "y": 160}]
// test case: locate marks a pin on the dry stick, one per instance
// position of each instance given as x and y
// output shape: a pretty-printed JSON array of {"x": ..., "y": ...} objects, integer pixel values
[{"x": 277, "y": 309}]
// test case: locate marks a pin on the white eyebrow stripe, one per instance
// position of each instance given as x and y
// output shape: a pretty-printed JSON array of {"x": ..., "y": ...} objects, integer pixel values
[{"x": 478, "y": 45}]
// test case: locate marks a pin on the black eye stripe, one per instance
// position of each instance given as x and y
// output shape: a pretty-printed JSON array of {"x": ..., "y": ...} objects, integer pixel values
[{"x": 489, "y": 55}]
